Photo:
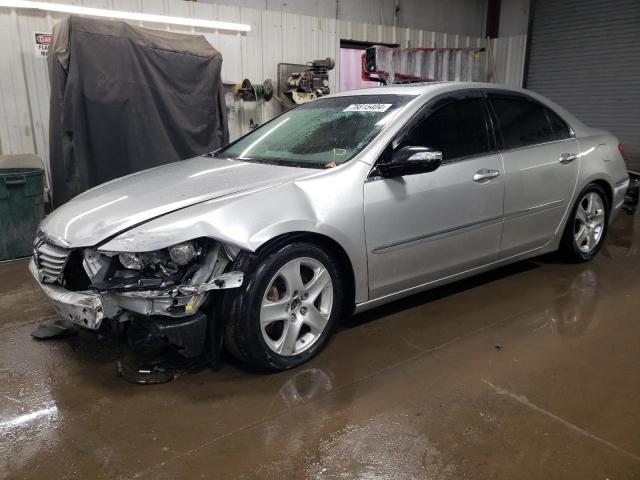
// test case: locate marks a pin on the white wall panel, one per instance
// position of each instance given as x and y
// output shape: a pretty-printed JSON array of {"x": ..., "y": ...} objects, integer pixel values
[
  {"x": 508, "y": 54},
  {"x": 16, "y": 134},
  {"x": 36, "y": 77},
  {"x": 275, "y": 37}
]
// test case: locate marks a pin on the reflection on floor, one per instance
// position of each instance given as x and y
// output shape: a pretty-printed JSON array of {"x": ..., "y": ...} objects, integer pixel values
[{"x": 527, "y": 372}]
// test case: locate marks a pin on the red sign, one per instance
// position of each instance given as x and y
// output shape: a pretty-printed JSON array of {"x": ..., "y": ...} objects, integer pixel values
[{"x": 43, "y": 40}]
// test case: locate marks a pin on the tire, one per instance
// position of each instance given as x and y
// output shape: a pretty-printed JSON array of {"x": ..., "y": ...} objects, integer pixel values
[
  {"x": 575, "y": 247},
  {"x": 273, "y": 322}
]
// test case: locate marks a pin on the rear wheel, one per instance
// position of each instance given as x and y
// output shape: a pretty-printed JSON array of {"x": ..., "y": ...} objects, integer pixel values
[
  {"x": 587, "y": 225},
  {"x": 285, "y": 312}
]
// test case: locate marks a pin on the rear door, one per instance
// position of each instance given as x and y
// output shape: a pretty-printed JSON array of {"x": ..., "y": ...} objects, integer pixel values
[
  {"x": 541, "y": 164},
  {"x": 421, "y": 228}
]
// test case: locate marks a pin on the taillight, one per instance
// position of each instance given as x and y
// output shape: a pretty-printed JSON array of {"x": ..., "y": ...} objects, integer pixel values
[{"x": 621, "y": 150}]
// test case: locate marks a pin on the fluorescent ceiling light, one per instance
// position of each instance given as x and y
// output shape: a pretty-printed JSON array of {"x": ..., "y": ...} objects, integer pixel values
[{"x": 140, "y": 17}]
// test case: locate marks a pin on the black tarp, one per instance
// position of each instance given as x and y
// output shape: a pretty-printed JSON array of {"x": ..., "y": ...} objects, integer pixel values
[{"x": 125, "y": 98}]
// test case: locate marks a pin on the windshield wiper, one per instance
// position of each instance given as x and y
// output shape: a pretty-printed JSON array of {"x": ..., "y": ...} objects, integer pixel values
[{"x": 282, "y": 163}]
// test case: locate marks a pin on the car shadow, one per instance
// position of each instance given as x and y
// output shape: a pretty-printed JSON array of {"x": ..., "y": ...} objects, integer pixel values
[{"x": 440, "y": 292}]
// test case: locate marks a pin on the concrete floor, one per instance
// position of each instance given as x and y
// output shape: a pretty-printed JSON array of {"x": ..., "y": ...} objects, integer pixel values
[{"x": 532, "y": 371}]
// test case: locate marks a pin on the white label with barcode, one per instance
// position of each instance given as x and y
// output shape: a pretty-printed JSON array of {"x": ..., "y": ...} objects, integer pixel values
[{"x": 368, "y": 107}]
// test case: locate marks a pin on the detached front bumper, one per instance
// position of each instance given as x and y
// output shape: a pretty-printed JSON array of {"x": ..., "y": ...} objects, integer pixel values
[{"x": 89, "y": 308}]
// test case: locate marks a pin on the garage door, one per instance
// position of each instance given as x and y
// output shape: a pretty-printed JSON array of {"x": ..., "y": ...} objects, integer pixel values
[{"x": 585, "y": 55}]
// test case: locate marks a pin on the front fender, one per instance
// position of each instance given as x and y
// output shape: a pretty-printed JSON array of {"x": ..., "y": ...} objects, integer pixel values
[
  {"x": 232, "y": 220},
  {"x": 248, "y": 220}
]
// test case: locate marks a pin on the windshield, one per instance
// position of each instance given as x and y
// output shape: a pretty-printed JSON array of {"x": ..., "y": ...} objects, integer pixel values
[{"x": 324, "y": 133}]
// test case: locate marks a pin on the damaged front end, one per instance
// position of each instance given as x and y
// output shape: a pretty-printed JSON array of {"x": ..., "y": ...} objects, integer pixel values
[{"x": 163, "y": 290}]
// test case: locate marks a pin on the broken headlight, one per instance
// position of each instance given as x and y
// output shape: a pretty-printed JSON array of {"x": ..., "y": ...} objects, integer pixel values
[
  {"x": 182, "y": 253},
  {"x": 132, "y": 261},
  {"x": 159, "y": 269},
  {"x": 183, "y": 265},
  {"x": 168, "y": 262}
]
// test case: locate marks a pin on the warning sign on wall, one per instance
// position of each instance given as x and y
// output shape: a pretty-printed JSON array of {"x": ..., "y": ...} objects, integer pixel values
[{"x": 43, "y": 40}]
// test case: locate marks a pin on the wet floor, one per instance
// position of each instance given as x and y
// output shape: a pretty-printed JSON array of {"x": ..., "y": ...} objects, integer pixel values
[{"x": 532, "y": 371}]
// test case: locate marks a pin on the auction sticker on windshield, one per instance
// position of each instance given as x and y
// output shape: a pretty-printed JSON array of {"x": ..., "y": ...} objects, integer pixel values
[{"x": 368, "y": 107}]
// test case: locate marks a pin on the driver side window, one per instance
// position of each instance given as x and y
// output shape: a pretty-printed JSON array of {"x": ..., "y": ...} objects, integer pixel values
[{"x": 458, "y": 129}]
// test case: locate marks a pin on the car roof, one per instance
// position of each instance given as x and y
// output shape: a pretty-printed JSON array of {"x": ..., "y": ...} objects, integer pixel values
[
  {"x": 431, "y": 89},
  {"x": 426, "y": 88}
]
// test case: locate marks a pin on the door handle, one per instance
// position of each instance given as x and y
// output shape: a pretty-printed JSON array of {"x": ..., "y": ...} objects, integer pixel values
[
  {"x": 485, "y": 174},
  {"x": 566, "y": 158}
]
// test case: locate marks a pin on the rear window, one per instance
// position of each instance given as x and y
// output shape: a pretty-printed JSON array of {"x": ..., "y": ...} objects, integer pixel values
[
  {"x": 522, "y": 122},
  {"x": 560, "y": 129}
]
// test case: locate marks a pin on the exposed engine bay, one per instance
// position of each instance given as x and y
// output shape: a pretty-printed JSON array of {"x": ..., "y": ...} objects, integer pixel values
[{"x": 88, "y": 285}]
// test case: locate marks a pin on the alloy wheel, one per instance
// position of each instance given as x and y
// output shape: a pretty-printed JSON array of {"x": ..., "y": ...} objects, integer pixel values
[
  {"x": 589, "y": 222},
  {"x": 296, "y": 306}
]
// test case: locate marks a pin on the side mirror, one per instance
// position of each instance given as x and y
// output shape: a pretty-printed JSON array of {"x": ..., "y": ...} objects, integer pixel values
[{"x": 411, "y": 161}]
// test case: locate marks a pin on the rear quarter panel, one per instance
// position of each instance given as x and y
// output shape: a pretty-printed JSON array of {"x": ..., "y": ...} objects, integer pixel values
[{"x": 601, "y": 160}]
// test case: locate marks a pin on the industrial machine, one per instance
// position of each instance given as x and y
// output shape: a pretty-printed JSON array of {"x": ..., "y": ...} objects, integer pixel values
[{"x": 299, "y": 83}]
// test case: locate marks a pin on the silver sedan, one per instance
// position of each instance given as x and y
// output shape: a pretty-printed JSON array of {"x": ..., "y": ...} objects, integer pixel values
[{"x": 339, "y": 205}]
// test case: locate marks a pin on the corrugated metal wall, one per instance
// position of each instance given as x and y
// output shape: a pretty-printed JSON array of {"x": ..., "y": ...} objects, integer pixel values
[
  {"x": 275, "y": 37},
  {"x": 507, "y": 55},
  {"x": 585, "y": 55}
]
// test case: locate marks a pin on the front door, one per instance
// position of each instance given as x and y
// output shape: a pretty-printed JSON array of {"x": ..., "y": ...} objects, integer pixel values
[
  {"x": 421, "y": 228},
  {"x": 541, "y": 161}
]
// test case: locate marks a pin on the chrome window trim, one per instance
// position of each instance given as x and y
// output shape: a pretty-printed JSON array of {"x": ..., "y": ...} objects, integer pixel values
[{"x": 535, "y": 145}]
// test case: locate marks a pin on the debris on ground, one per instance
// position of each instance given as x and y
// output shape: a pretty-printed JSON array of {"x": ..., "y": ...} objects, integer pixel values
[{"x": 55, "y": 329}]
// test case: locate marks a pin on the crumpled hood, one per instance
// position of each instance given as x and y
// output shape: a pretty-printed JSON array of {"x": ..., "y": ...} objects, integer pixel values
[{"x": 112, "y": 207}]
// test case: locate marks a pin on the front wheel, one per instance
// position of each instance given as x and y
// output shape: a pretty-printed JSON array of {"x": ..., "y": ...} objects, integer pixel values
[
  {"x": 587, "y": 225},
  {"x": 285, "y": 312}
]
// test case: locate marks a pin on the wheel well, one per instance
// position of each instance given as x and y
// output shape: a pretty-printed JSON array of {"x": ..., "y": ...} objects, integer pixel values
[
  {"x": 607, "y": 190},
  {"x": 330, "y": 246}
]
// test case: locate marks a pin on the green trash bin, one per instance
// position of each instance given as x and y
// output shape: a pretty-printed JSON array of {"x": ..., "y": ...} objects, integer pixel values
[{"x": 21, "y": 209}]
